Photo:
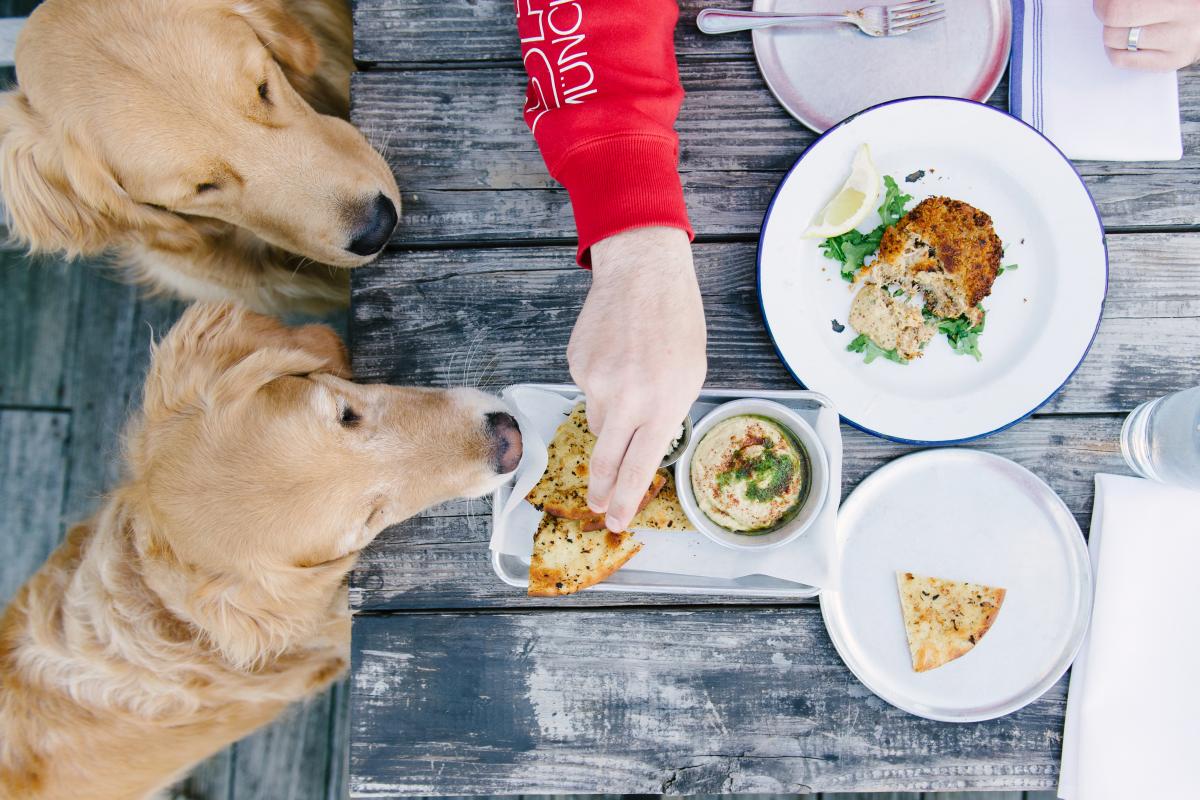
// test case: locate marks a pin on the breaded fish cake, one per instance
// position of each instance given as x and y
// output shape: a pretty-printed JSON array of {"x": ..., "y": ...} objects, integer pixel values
[
  {"x": 890, "y": 323},
  {"x": 945, "y": 249}
]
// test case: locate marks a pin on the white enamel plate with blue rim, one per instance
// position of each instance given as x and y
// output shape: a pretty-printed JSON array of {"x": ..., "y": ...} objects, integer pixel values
[{"x": 1041, "y": 317}]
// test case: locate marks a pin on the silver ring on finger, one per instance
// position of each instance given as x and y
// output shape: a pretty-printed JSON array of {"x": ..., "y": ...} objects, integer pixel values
[{"x": 1131, "y": 43}]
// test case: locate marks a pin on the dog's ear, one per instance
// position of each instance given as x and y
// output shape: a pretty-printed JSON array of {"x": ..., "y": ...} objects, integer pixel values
[
  {"x": 60, "y": 198},
  {"x": 42, "y": 209},
  {"x": 222, "y": 352},
  {"x": 288, "y": 40}
]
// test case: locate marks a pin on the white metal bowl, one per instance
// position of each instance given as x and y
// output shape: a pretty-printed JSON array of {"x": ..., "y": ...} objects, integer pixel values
[{"x": 818, "y": 478}]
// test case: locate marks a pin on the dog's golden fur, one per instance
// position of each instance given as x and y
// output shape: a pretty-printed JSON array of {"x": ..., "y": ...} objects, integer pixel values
[
  {"x": 208, "y": 592},
  {"x": 201, "y": 143}
]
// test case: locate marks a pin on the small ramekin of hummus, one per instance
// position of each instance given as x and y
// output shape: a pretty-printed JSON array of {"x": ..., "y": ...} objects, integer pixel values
[{"x": 755, "y": 475}]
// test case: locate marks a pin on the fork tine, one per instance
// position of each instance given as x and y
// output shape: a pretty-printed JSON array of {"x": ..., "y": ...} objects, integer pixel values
[
  {"x": 917, "y": 22},
  {"x": 914, "y": 5},
  {"x": 920, "y": 13}
]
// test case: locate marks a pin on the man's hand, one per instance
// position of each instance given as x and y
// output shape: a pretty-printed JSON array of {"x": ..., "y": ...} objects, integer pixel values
[
  {"x": 1170, "y": 37},
  {"x": 638, "y": 353}
]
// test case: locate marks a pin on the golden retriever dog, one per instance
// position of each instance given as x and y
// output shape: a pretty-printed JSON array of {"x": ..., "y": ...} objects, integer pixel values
[
  {"x": 209, "y": 591},
  {"x": 201, "y": 143}
]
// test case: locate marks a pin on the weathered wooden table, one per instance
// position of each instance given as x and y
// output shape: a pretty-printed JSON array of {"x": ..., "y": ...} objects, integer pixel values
[{"x": 463, "y": 685}]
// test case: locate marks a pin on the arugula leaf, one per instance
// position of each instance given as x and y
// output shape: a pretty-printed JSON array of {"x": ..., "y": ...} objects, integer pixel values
[
  {"x": 893, "y": 202},
  {"x": 871, "y": 351},
  {"x": 962, "y": 336},
  {"x": 854, "y": 247},
  {"x": 1007, "y": 268}
]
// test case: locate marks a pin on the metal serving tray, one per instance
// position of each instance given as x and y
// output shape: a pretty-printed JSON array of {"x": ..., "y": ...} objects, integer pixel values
[{"x": 514, "y": 570}]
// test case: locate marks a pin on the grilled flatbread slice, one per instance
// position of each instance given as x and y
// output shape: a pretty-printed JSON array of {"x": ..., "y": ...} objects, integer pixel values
[
  {"x": 663, "y": 512},
  {"x": 944, "y": 619},
  {"x": 562, "y": 491},
  {"x": 596, "y": 521},
  {"x": 567, "y": 559}
]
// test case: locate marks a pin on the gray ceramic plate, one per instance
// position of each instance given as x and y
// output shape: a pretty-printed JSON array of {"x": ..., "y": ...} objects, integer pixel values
[
  {"x": 960, "y": 515},
  {"x": 823, "y": 74}
]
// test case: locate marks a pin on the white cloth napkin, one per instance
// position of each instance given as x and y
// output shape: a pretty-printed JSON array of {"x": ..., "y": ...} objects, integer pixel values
[
  {"x": 1133, "y": 709},
  {"x": 1061, "y": 82}
]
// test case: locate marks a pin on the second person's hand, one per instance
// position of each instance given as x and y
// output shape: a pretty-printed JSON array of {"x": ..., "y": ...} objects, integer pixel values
[
  {"x": 1169, "y": 38},
  {"x": 638, "y": 354}
]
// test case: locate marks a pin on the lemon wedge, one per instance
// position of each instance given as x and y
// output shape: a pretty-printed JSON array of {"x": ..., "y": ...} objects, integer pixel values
[{"x": 853, "y": 201}]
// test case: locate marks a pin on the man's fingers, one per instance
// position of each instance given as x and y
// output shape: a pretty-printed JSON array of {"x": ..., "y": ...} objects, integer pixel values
[
  {"x": 595, "y": 416},
  {"x": 642, "y": 458},
  {"x": 606, "y": 460},
  {"x": 1127, "y": 13},
  {"x": 1149, "y": 60}
]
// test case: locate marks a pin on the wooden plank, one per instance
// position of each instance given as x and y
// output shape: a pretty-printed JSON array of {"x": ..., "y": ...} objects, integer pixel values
[
  {"x": 111, "y": 352},
  {"x": 32, "y": 476},
  {"x": 416, "y": 314},
  {"x": 487, "y": 181},
  {"x": 211, "y": 780},
  {"x": 10, "y": 29},
  {"x": 36, "y": 327},
  {"x": 441, "y": 560},
  {"x": 407, "y": 32},
  {"x": 338, "y": 781},
  {"x": 517, "y": 305},
  {"x": 655, "y": 702},
  {"x": 290, "y": 758}
]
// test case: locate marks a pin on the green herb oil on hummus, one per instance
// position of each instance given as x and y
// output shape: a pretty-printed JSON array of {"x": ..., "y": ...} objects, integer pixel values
[{"x": 749, "y": 475}]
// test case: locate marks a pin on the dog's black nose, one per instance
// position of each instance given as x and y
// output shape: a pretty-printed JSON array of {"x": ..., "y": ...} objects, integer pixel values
[
  {"x": 379, "y": 220},
  {"x": 506, "y": 441}
]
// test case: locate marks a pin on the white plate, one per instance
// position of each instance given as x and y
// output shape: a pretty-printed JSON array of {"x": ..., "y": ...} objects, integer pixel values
[
  {"x": 971, "y": 516},
  {"x": 1041, "y": 318},
  {"x": 822, "y": 74}
]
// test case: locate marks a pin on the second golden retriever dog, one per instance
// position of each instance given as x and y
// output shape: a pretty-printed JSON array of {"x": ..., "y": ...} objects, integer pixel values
[
  {"x": 209, "y": 591},
  {"x": 200, "y": 142}
]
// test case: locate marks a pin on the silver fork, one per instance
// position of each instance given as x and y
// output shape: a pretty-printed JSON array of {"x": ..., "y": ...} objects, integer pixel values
[{"x": 895, "y": 20}]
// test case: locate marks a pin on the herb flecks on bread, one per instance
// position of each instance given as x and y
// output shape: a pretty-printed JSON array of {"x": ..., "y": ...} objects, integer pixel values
[{"x": 944, "y": 619}]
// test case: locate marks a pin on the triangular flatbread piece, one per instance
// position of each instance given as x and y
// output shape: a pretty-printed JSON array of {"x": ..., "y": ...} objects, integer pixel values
[
  {"x": 562, "y": 491},
  {"x": 596, "y": 521},
  {"x": 663, "y": 512},
  {"x": 567, "y": 559},
  {"x": 944, "y": 619}
]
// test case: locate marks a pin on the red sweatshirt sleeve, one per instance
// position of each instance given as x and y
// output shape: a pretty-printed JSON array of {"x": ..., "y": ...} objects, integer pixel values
[{"x": 603, "y": 95}]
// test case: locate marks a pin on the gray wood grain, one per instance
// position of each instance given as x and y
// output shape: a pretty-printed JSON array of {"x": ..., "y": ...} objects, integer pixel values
[
  {"x": 109, "y": 356},
  {"x": 487, "y": 181},
  {"x": 390, "y": 33},
  {"x": 210, "y": 780},
  {"x": 33, "y": 466},
  {"x": 441, "y": 559},
  {"x": 290, "y": 758},
  {"x": 501, "y": 316},
  {"x": 36, "y": 325},
  {"x": 655, "y": 702}
]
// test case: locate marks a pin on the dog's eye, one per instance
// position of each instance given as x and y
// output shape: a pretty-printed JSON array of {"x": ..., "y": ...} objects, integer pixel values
[
  {"x": 264, "y": 92},
  {"x": 201, "y": 188},
  {"x": 348, "y": 417}
]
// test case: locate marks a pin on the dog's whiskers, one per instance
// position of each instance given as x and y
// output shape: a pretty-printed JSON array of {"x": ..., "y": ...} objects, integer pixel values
[
  {"x": 481, "y": 381},
  {"x": 469, "y": 359},
  {"x": 301, "y": 264}
]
